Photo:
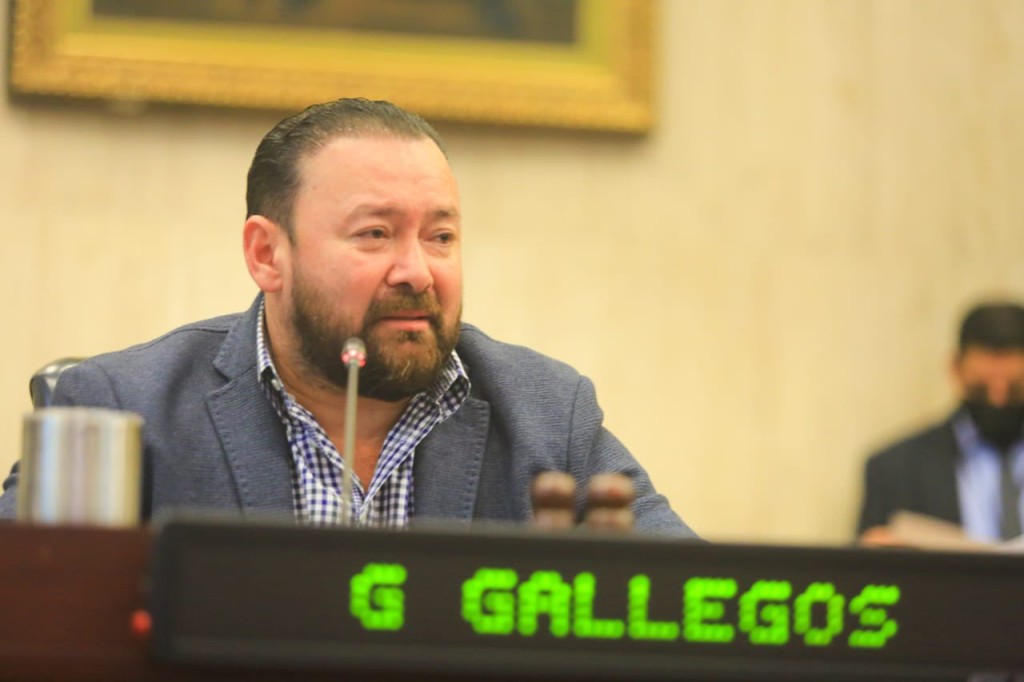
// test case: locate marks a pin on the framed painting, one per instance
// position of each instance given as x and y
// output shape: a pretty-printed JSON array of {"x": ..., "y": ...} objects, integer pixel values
[{"x": 584, "y": 64}]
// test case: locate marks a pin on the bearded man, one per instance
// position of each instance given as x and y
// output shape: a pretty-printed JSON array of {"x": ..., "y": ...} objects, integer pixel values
[{"x": 354, "y": 230}]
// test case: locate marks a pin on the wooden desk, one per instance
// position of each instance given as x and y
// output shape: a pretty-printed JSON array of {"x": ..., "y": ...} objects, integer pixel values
[{"x": 67, "y": 598}]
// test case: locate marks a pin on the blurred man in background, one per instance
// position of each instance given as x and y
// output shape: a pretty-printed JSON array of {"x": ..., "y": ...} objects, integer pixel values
[{"x": 968, "y": 468}]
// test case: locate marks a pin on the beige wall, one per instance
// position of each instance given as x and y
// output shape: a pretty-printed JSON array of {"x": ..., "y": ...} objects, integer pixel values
[{"x": 762, "y": 289}]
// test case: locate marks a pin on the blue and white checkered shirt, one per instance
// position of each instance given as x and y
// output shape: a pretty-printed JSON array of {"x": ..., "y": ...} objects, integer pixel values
[
  {"x": 978, "y": 476},
  {"x": 317, "y": 464}
]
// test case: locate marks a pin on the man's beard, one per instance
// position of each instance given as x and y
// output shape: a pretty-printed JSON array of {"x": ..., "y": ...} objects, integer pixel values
[{"x": 399, "y": 363}]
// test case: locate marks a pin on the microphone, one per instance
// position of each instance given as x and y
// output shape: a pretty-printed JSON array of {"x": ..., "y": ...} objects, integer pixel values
[{"x": 353, "y": 356}]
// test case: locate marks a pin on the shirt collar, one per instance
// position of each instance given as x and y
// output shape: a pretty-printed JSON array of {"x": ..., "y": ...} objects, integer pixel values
[
  {"x": 972, "y": 445},
  {"x": 265, "y": 370},
  {"x": 967, "y": 436}
]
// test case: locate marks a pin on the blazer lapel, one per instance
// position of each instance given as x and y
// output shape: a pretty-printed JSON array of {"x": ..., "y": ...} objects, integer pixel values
[
  {"x": 250, "y": 431},
  {"x": 255, "y": 445},
  {"x": 448, "y": 462}
]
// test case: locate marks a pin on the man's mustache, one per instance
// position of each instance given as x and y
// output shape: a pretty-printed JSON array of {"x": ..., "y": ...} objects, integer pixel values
[{"x": 396, "y": 304}]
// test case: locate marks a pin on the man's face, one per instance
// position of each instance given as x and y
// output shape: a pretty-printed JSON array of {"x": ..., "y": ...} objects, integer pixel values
[
  {"x": 996, "y": 376},
  {"x": 376, "y": 255}
]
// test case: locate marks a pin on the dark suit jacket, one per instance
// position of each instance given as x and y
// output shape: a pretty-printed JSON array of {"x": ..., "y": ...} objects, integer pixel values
[
  {"x": 213, "y": 441},
  {"x": 915, "y": 474}
]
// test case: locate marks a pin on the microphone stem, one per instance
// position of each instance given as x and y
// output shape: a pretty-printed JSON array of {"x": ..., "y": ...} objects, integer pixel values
[{"x": 349, "y": 456}]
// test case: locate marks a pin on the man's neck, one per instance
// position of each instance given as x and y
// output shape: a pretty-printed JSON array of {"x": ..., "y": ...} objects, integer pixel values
[
  {"x": 327, "y": 404},
  {"x": 376, "y": 417},
  {"x": 375, "y": 420}
]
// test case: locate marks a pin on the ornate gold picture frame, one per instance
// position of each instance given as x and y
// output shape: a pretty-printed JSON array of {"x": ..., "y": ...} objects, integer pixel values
[{"x": 597, "y": 76}]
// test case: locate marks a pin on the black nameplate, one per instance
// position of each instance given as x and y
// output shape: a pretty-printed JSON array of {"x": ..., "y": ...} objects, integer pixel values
[{"x": 577, "y": 606}]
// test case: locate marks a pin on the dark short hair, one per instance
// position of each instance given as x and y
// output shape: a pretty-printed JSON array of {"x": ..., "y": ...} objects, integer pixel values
[
  {"x": 993, "y": 326},
  {"x": 274, "y": 174}
]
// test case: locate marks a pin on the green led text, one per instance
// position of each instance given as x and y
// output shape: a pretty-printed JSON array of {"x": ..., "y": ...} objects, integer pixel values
[
  {"x": 709, "y": 610},
  {"x": 376, "y": 597},
  {"x": 879, "y": 626},
  {"x": 764, "y": 614}
]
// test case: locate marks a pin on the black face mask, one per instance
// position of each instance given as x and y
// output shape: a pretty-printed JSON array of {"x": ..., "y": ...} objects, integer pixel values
[{"x": 1000, "y": 426}]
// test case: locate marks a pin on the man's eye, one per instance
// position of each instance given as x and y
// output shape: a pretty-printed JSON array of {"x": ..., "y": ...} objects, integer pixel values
[
  {"x": 374, "y": 233},
  {"x": 445, "y": 238}
]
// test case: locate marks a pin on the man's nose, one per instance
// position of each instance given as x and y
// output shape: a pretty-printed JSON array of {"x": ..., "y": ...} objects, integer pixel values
[{"x": 410, "y": 267}]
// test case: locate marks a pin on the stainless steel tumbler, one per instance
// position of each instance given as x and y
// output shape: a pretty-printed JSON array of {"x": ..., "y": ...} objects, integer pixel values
[{"x": 80, "y": 466}]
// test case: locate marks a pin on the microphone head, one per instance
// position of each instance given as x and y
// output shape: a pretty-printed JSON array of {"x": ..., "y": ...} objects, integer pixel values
[{"x": 354, "y": 352}]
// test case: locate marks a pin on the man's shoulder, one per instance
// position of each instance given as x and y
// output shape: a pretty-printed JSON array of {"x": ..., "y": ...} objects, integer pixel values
[
  {"x": 181, "y": 357},
  {"x": 519, "y": 380},
  {"x": 510, "y": 362},
  {"x": 935, "y": 438},
  {"x": 188, "y": 339}
]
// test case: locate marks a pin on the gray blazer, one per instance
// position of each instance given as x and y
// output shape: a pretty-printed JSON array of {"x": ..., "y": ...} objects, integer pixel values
[
  {"x": 213, "y": 441},
  {"x": 916, "y": 474}
]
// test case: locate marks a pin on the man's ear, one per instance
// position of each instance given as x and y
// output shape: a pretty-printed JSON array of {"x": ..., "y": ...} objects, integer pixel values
[{"x": 267, "y": 252}]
